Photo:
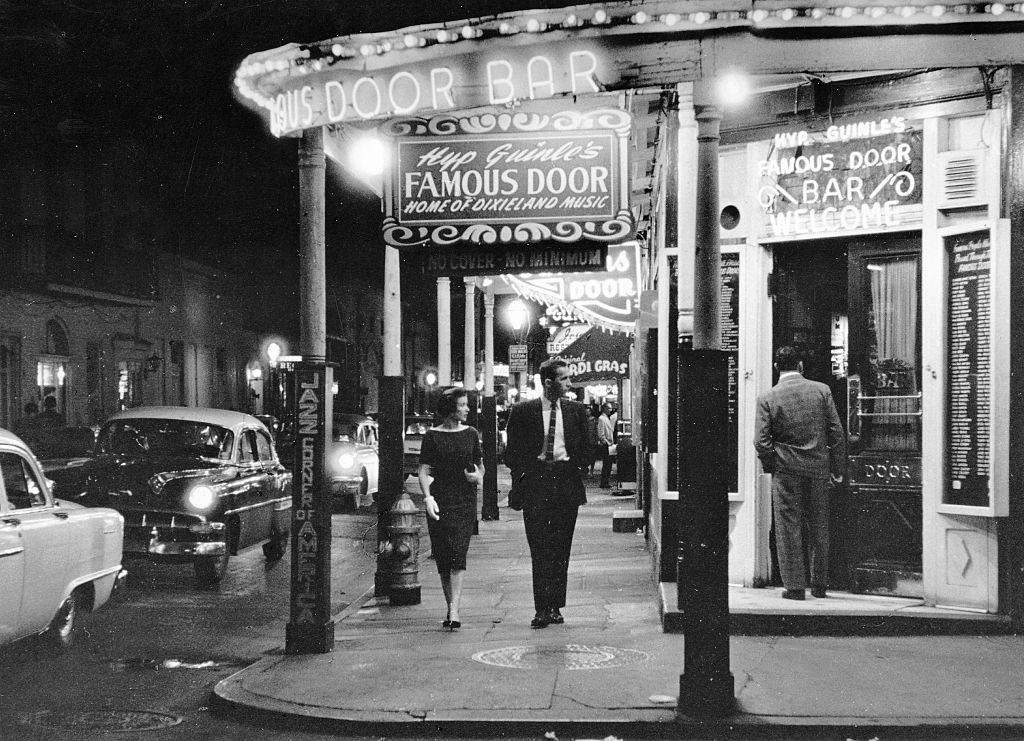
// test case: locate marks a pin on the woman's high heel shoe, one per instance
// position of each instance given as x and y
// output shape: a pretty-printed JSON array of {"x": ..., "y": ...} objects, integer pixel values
[
  {"x": 446, "y": 625},
  {"x": 454, "y": 625}
]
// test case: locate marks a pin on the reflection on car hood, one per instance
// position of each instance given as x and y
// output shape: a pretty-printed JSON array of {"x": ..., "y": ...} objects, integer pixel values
[{"x": 122, "y": 480}]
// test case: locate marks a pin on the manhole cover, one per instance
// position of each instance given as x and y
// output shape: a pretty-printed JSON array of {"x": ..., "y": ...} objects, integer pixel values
[
  {"x": 572, "y": 656},
  {"x": 102, "y": 720}
]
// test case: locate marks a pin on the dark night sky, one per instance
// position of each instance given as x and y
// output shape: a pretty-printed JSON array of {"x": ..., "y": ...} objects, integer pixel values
[
  {"x": 162, "y": 71},
  {"x": 159, "y": 72}
]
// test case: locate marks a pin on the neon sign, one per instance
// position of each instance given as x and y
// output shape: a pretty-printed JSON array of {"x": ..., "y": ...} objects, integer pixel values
[
  {"x": 857, "y": 177},
  {"x": 337, "y": 95}
]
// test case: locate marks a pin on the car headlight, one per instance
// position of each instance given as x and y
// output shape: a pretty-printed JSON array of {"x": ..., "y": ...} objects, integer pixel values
[
  {"x": 346, "y": 460},
  {"x": 202, "y": 497}
]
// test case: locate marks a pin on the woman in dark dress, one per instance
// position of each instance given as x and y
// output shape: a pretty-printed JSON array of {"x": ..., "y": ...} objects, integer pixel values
[{"x": 451, "y": 468}]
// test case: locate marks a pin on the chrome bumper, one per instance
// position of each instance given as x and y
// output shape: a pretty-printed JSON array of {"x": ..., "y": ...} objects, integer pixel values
[
  {"x": 341, "y": 484},
  {"x": 176, "y": 540}
]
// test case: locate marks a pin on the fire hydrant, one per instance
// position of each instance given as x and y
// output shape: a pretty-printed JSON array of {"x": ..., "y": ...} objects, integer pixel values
[{"x": 402, "y": 549}]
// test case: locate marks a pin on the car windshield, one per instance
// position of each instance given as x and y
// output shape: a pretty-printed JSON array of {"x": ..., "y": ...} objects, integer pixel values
[
  {"x": 344, "y": 429},
  {"x": 165, "y": 437}
]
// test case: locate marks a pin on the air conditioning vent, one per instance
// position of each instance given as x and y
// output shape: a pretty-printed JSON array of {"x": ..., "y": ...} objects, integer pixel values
[{"x": 962, "y": 178}]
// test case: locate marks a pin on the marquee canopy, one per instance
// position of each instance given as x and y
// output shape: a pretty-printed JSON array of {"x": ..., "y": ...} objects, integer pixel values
[{"x": 585, "y": 49}]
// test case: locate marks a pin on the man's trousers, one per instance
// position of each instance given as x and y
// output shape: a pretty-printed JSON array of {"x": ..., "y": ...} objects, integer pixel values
[
  {"x": 800, "y": 504},
  {"x": 550, "y": 519}
]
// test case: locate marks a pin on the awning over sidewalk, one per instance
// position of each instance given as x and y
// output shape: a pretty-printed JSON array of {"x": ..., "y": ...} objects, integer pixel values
[{"x": 598, "y": 356}]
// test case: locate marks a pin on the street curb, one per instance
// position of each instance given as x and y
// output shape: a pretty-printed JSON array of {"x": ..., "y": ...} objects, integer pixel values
[{"x": 738, "y": 726}]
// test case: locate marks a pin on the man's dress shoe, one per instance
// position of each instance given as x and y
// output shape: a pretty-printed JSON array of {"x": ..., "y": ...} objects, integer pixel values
[
  {"x": 797, "y": 594},
  {"x": 555, "y": 617},
  {"x": 541, "y": 620}
]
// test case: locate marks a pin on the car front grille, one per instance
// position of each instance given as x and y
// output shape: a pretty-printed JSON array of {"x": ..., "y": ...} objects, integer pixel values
[{"x": 170, "y": 526}]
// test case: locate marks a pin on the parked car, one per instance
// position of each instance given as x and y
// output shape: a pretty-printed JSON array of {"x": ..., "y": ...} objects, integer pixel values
[
  {"x": 57, "y": 559},
  {"x": 194, "y": 485},
  {"x": 416, "y": 427},
  {"x": 353, "y": 465}
]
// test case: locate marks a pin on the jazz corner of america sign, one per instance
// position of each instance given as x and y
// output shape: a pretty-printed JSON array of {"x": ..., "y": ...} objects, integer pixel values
[{"x": 509, "y": 178}]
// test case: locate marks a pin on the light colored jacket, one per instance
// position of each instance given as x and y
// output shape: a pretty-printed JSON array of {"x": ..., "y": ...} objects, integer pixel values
[{"x": 605, "y": 430}]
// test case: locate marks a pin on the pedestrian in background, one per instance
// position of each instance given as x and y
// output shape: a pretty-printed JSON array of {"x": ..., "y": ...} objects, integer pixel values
[
  {"x": 605, "y": 439},
  {"x": 50, "y": 418},
  {"x": 594, "y": 411},
  {"x": 799, "y": 440},
  {"x": 451, "y": 468},
  {"x": 548, "y": 452}
]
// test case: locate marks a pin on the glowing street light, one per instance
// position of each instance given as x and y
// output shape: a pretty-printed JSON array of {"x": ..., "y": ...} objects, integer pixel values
[
  {"x": 732, "y": 89},
  {"x": 518, "y": 315},
  {"x": 273, "y": 353},
  {"x": 369, "y": 155}
]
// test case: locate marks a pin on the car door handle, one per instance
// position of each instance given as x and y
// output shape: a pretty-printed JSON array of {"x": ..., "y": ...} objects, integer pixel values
[
  {"x": 11, "y": 521},
  {"x": 61, "y": 515}
]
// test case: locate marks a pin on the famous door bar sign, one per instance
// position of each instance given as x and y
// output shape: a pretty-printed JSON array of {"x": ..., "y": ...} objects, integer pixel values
[
  {"x": 509, "y": 178},
  {"x": 850, "y": 178}
]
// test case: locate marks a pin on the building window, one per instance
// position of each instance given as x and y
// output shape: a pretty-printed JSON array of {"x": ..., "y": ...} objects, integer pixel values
[
  {"x": 129, "y": 383},
  {"x": 51, "y": 374},
  {"x": 57, "y": 339}
]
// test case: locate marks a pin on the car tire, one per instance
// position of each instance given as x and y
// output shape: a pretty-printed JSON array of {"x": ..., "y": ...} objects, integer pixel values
[
  {"x": 210, "y": 569},
  {"x": 61, "y": 632},
  {"x": 275, "y": 548}
]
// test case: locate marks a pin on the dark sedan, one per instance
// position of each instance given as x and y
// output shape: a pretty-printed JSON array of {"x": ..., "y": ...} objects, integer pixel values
[{"x": 194, "y": 485}]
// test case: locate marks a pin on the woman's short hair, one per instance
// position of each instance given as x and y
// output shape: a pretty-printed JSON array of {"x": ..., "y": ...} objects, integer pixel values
[{"x": 448, "y": 403}]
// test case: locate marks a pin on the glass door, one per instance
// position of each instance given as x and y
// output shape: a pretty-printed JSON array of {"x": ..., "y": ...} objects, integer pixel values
[{"x": 884, "y": 416}]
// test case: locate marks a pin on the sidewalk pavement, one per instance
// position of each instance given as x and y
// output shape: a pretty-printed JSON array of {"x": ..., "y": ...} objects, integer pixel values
[{"x": 611, "y": 669}]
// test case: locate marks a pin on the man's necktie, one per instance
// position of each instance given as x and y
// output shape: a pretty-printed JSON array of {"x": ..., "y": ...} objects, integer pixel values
[{"x": 549, "y": 443}]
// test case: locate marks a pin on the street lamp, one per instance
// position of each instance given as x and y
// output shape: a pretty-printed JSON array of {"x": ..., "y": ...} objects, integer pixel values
[
  {"x": 518, "y": 316},
  {"x": 732, "y": 89},
  {"x": 271, "y": 401},
  {"x": 273, "y": 353},
  {"x": 369, "y": 155}
]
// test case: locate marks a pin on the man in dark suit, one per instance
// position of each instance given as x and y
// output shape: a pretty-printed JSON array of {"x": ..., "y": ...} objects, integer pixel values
[
  {"x": 548, "y": 451},
  {"x": 800, "y": 442}
]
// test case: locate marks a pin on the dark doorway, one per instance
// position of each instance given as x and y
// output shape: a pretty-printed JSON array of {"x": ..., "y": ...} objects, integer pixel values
[{"x": 853, "y": 308}]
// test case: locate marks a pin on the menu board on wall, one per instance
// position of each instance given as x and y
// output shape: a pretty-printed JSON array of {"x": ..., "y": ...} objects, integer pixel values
[
  {"x": 969, "y": 348},
  {"x": 729, "y": 309}
]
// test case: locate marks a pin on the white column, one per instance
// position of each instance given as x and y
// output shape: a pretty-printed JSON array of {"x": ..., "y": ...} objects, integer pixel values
[
  {"x": 489, "y": 341},
  {"x": 469, "y": 342},
  {"x": 444, "y": 332}
]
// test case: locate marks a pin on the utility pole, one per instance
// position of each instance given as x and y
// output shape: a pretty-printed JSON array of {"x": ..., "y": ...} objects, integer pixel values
[
  {"x": 706, "y": 685},
  {"x": 310, "y": 628}
]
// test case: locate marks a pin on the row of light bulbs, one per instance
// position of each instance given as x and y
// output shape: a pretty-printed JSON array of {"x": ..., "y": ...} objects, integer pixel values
[{"x": 313, "y": 58}]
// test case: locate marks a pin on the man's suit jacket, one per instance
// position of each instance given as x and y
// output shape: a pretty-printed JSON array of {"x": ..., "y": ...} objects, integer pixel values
[
  {"x": 798, "y": 429},
  {"x": 525, "y": 432}
]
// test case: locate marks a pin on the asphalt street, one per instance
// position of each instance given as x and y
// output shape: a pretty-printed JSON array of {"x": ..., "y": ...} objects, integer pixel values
[{"x": 145, "y": 664}]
